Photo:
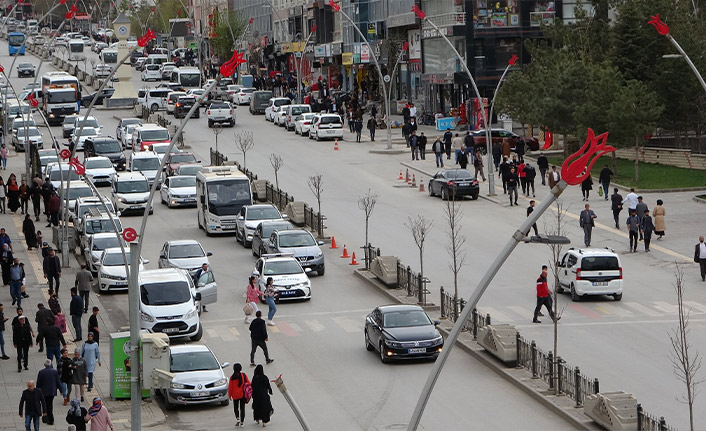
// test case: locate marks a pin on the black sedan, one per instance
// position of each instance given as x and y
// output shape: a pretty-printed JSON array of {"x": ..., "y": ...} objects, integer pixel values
[
  {"x": 454, "y": 183},
  {"x": 183, "y": 105},
  {"x": 106, "y": 93},
  {"x": 25, "y": 69},
  {"x": 402, "y": 332}
]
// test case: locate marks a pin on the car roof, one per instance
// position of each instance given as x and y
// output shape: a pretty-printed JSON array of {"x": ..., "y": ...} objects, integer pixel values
[
  {"x": 96, "y": 158},
  {"x": 145, "y": 154},
  {"x": 292, "y": 231},
  {"x": 178, "y": 177},
  {"x": 390, "y": 308},
  {"x": 260, "y": 206},
  {"x": 151, "y": 126},
  {"x": 77, "y": 183},
  {"x": 187, "y": 348},
  {"x": 593, "y": 251},
  {"x": 128, "y": 176},
  {"x": 104, "y": 235},
  {"x": 163, "y": 274},
  {"x": 182, "y": 241}
]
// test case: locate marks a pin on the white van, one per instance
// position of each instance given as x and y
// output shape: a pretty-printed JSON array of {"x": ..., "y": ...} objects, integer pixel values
[
  {"x": 130, "y": 191},
  {"x": 156, "y": 98},
  {"x": 147, "y": 163},
  {"x": 168, "y": 303},
  {"x": 157, "y": 59}
]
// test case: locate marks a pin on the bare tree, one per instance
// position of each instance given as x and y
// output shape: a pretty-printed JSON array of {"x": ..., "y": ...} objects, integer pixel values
[
  {"x": 277, "y": 163},
  {"x": 556, "y": 228},
  {"x": 316, "y": 185},
  {"x": 244, "y": 141},
  {"x": 217, "y": 131},
  {"x": 419, "y": 227},
  {"x": 367, "y": 204},
  {"x": 685, "y": 360},
  {"x": 457, "y": 240}
]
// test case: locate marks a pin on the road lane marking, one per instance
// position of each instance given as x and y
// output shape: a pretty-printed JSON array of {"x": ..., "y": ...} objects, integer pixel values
[
  {"x": 615, "y": 310},
  {"x": 275, "y": 329},
  {"x": 666, "y": 307},
  {"x": 348, "y": 325},
  {"x": 701, "y": 308},
  {"x": 285, "y": 316},
  {"x": 224, "y": 332},
  {"x": 584, "y": 310},
  {"x": 697, "y": 322},
  {"x": 212, "y": 333},
  {"x": 287, "y": 329},
  {"x": 642, "y": 309},
  {"x": 315, "y": 325},
  {"x": 522, "y": 311},
  {"x": 234, "y": 331}
]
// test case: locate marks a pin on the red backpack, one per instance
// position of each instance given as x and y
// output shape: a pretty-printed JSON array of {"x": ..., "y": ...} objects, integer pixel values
[{"x": 247, "y": 389}]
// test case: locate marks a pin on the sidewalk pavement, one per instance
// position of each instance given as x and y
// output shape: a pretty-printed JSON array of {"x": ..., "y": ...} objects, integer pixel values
[
  {"x": 381, "y": 134},
  {"x": 12, "y": 382}
]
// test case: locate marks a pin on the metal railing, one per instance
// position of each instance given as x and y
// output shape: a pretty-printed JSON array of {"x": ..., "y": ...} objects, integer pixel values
[
  {"x": 646, "y": 422},
  {"x": 414, "y": 282},
  {"x": 450, "y": 310},
  {"x": 315, "y": 220},
  {"x": 370, "y": 253},
  {"x": 217, "y": 158},
  {"x": 277, "y": 197}
]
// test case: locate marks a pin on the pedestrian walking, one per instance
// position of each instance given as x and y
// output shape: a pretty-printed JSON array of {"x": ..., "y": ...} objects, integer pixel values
[
  {"x": 270, "y": 297},
  {"x": 504, "y": 172},
  {"x": 462, "y": 159},
  {"x": 530, "y": 175},
  {"x": 6, "y": 260},
  {"x": 13, "y": 194},
  {"x": 48, "y": 382},
  {"x": 66, "y": 368},
  {"x": 54, "y": 305},
  {"x": 52, "y": 270},
  {"x": 405, "y": 113},
  {"x": 358, "y": 128},
  {"x": 3, "y": 319},
  {"x": 478, "y": 165},
  {"x": 506, "y": 147},
  {"x": 646, "y": 228},
  {"x": 497, "y": 152},
  {"x": 659, "y": 214},
  {"x": 543, "y": 298},
  {"x": 41, "y": 317},
  {"x": 512, "y": 181},
  {"x": 17, "y": 276},
  {"x": 456, "y": 145},
  {"x": 261, "y": 392},
  {"x": 79, "y": 374},
  {"x": 29, "y": 232},
  {"x": 438, "y": 148},
  {"x": 586, "y": 222},
  {"x": 616, "y": 205},
  {"x": 586, "y": 187},
  {"x": 530, "y": 210},
  {"x": 631, "y": 200},
  {"x": 36, "y": 195},
  {"x": 522, "y": 175},
  {"x": 76, "y": 311},
  {"x": 83, "y": 283},
  {"x": 47, "y": 191},
  {"x": 252, "y": 297},
  {"x": 32, "y": 406},
  {"x": 640, "y": 209},
  {"x": 543, "y": 165},
  {"x": 4, "y": 152},
  {"x": 24, "y": 197},
  {"x": 22, "y": 340},
  {"x": 413, "y": 146},
  {"x": 92, "y": 355},
  {"x": 258, "y": 338},
  {"x": 98, "y": 416},
  {"x": 51, "y": 335},
  {"x": 76, "y": 415},
  {"x": 3, "y": 195},
  {"x": 604, "y": 180},
  {"x": 700, "y": 257},
  {"x": 54, "y": 207},
  {"x": 93, "y": 325},
  {"x": 633, "y": 224},
  {"x": 240, "y": 391},
  {"x": 422, "y": 144},
  {"x": 448, "y": 136},
  {"x": 371, "y": 127},
  {"x": 553, "y": 177}
]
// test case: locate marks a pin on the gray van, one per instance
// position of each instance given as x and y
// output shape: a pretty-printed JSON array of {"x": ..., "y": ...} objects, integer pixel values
[{"x": 259, "y": 101}]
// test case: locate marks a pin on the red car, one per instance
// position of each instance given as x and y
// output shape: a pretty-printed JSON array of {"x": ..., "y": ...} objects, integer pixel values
[
  {"x": 497, "y": 135},
  {"x": 174, "y": 160}
]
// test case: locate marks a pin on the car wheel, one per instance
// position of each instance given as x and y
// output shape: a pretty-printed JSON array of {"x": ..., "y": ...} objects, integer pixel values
[
  {"x": 383, "y": 358},
  {"x": 225, "y": 403},
  {"x": 198, "y": 335},
  {"x": 210, "y": 124},
  {"x": 474, "y": 196},
  {"x": 618, "y": 296},
  {"x": 246, "y": 243},
  {"x": 431, "y": 193},
  {"x": 574, "y": 296},
  {"x": 232, "y": 123},
  {"x": 444, "y": 194},
  {"x": 368, "y": 345},
  {"x": 154, "y": 107},
  {"x": 559, "y": 289},
  {"x": 254, "y": 251},
  {"x": 321, "y": 271}
]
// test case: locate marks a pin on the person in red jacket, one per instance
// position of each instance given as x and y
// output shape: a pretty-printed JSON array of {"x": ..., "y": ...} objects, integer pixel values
[
  {"x": 543, "y": 297},
  {"x": 523, "y": 177},
  {"x": 236, "y": 392}
]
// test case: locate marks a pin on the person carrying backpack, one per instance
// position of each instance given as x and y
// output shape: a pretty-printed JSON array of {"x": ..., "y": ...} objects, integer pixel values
[{"x": 240, "y": 391}]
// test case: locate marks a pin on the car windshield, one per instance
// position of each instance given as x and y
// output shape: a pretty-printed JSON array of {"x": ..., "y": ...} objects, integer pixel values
[
  {"x": 129, "y": 121},
  {"x": 263, "y": 97},
  {"x": 600, "y": 263},
  {"x": 185, "y": 251},
  {"x": 106, "y": 242},
  {"x": 306, "y": 117},
  {"x": 90, "y": 122},
  {"x": 30, "y": 132},
  {"x": 263, "y": 213},
  {"x": 155, "y": 135},
  {"x": 84, "y": 208},
  {"x": 219, "y": 106},
  {"x": 281, "y": 102},
  {"x": 160, "y": 149},
  {"x": 401, "y": 319},
  {"x": 282, "y": 267},
  {"x": 16, "y": 39},
  {"x": 107, "y": 147},
  {"x": 268, "y": 228},
  {"x": 98, "y": 164},
  {"x": 247, "y": 90},
  {"x": 296, "y": 110},
  {"x": 458, "y": 174},
  {"x": 189, "y": 79},
  {"x": 227, "y": 197},
  {"x": 115, "y": 259},
  {"x": 56, "y": 175},
  {"x": 334, "y": 119},
  {"x": 149, "y": 164},
  {"x": 70, "y": 120},
  {"x": 61, "y": 96},
  {"x": 45, "y": 160},
  {"x": 182, "y": 182},
  {"x": 193, "y": 361},
  {"x": 25, "y": 66},
  {"x": 133, "y": 186},
  {"x": 182, "y": 158},
  {"x": 78, "y": 192},
  {"x": 187, "y": 100},
  {"x": 189, "y": 170},
  {"x": 101, "y": 225},
  {"x": 87, "y": 131},
  {"x": 296, "y": 239},
  {"x": 167, "y": 293}
]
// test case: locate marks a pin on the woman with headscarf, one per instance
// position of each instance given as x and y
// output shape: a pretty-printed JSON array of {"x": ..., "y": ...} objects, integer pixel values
[
  {"x": 13, "y": 194},
  {"x": 30, "y": 233},
  {"x": 76, "y": 415},
  {"x": 236, "y": 392},
  {"x": 92, "y": 355},
  {"x": 659, "y": 214},
  {"x": 261, "y": 391},
  {"x": 6, "y": 259},
  {"x": 3, "y": 194},
  {"x": 98, "y": 416}
]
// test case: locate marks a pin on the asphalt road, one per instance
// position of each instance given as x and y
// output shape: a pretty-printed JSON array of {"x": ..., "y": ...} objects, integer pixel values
[{"x": 318, "y": 345}]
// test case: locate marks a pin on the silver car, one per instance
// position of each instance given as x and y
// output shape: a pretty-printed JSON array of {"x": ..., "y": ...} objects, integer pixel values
[
  {"x": 198, "y": 377},
  {"x": 301, "y": 244},
  {"x": 183, "y": 254}
]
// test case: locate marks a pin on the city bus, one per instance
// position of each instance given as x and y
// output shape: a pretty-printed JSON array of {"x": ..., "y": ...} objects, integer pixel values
[
  {"x": 220, "y": 193},
  {"x": 16, "y": 43},
  {"x": 76, "y": 47}
]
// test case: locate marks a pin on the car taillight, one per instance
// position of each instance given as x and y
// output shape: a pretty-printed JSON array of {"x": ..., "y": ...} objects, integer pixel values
[
  {"x": 450, "y": 183},
  {"x": 474, "y": 183},
  {"x": 620, "y": 273},
  {"x": 178, "y": 104},
  {"x": 578, "y": 273},
  {"x": 231, "y": 112},
  {"x": 307, "y": 123},
  {"x": 208, "y": 112}
]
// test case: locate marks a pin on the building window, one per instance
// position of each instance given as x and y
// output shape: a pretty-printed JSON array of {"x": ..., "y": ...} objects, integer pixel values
[
  {"x": 543, "y": 12},
  {"x": 504, "y": 49},
  {"x": 492, "y": 13}
]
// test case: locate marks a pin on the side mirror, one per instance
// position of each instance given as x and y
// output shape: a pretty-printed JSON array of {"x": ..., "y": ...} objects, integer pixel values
[
  {"x": 285, "y": 216},
  {"x": 320, "y": 242},
  {"x": 225, "y": 365},
  {"x": 162, "y": 256},
  {"x": 255, "y": 273},
  {"x": 241, "y": 218},
  {"x": 437, "y": 322},
  {"x": 198, "y": 296},
  {"x": 145, "y": 261},
  {"x": 208, "y": 253}
]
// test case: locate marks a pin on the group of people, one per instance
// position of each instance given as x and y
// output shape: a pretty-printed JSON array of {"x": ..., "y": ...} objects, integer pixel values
[
  {"x": 514, "y": 173},
  {"x": 16, "y": 197}
]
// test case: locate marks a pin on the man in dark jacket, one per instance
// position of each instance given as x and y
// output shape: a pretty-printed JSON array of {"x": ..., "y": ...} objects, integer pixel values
[
  {"x": 33, "y": 405},
  {"x": 504, "y": 172},
  {"x": 41, "y": 318},
  {"x": 76, "y": 311},
  {"x": 405, "y": 114},
  {"x": 520, "y": 149},
  {"x": 48, "y": 382},
  {"x": 22, "y": 340},
  {"x": 258, "y": 338},
  {"x": 406, "y": 131},
  {"x": 422, "y": 144},
  {"x": 52, "y": 270},
  {"x": 54, "y": 207},
  {"x": 66, "y": 372},
  {"x": 447, "y": 143},
  {"x": 604, "y": 180},
  {"x": 3, "y": 319},
  {"x": 51, "y": 334},
  {"x": 543, "y": 165},
  {"x": 616, "y": 205}
]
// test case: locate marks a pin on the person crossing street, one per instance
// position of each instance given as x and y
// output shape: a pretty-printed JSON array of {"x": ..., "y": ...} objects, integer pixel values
[{"x": 543, "y": 297}]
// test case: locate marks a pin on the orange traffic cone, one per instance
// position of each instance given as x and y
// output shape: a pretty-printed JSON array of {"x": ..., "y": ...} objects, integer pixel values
[
  {"x": 353, "y": 261},
  {"x": 345, "y": 252},
  {"x": 335, "y": 144},
  {"x": 333, "y": 242},
  {"x": 400, "y": 177},
  {"x": 421, "y": 184},
  {"x": 407, "y": 176},
  {"x": 414, "y": 181}
]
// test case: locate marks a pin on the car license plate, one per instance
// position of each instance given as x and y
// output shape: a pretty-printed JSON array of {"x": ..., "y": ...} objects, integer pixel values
[
  {"x": 170, "y": 330},
  {"x": 219, "y": 118},
  {"x": 287, "y": 292},
  {"x": 199, "y": 394},
  {"x": 420, "y": 350},
  {"x": 135, "y": 207},
  {"x": 463, "y": 184},
  {"x": 600, "y": 283}
]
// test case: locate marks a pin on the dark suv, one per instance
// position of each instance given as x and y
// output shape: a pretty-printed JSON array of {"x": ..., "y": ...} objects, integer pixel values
[
  {"x": 107, "y": 147},
  {"x": 183, "y": 105}
]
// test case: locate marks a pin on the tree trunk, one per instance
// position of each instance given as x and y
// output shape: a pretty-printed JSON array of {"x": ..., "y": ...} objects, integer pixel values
[
  {"x": 366, "y": 231},
  {"x": 614, "y": 159},
  {"x": 637, "y": 160}
]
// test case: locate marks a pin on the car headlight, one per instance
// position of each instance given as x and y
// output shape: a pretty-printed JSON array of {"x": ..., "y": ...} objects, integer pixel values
[
  {"x": 438, "y": 340},
  {"x": 393, "y": 344},
  {"x": 176, "y": 385},
  {"x": 146, "y": 317},
  {"x": 220, "y": 382},
  {"x": 191, "y": 314},
  {"x": 121, "y": 199},
  {"x": 319, "y": 254}
]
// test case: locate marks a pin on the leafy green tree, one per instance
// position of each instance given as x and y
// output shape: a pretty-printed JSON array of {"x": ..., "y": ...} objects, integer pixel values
[{"x": 229, "y": 27}]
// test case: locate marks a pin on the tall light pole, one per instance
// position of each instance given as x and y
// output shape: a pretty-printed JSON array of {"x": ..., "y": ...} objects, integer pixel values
[
  {"x": 337, "y": 8},
  {"x": 663, "y": 29},
  {"x": 299, "y": 64}
]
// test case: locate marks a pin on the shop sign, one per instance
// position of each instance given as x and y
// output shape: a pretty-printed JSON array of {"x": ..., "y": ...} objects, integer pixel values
[
  {"x": 320, "y": 51},
  {"x": 364, "y": 54},
  {"x": 356, "y": 58},
  {"x": 371, "y": 28},
  {"x": 347, "y": 58},
  {"x": 121, "y": 366},
  {"x": 356, "y": 48},
  {"x": 415, "y": 44},
  {"x": 327, "y": 50},
  {"x": 336, "y": 48},
  {"x": 430, "y": 32}
]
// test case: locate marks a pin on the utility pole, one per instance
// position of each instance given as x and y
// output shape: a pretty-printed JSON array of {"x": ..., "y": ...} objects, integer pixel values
[{"x": 134, "y": 302}]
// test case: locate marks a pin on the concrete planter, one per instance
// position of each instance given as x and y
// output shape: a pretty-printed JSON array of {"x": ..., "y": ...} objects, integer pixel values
[{"x": 89, "y": 79}]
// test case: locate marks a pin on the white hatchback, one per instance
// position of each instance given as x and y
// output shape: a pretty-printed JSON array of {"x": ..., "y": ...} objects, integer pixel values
[
  {"x": 325, "y": 126},
  {"x": 591, "y": 271}
]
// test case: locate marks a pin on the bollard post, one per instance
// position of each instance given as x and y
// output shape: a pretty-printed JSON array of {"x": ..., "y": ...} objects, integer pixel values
[
  {"x": 420, "y": 290},
  {"x": 577, "y": 385},
  {"x": 639, "y": 417},
  {"x": 442, "y": 302},
  {"x": 596, "y": 386},
  {"x": 409, "y": 281},
  {"x": 662, "y": 424},
  {"x": 474, "y": 318},
  {"x": 533, "y": 357},
  {"x": 550, "y": 369},
  {"x": 559, "y": 369},
  {"x": 517, "y": 348}
]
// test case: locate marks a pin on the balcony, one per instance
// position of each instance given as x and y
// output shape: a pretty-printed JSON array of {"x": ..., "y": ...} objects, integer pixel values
[{"x": 446, "y": 20}]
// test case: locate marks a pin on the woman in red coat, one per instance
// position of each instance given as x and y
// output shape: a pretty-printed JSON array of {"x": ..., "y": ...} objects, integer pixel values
[
  {"x": 236, "y": 393},
  {"x": 523, "y": 177}
]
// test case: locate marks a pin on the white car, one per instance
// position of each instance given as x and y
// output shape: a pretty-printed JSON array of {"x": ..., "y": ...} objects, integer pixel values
[
  {"x": 123, "y": 125},
  {"x": 165, "y": 69},
  {"x": 130, "y": 192},
  {"x": 279, "y": 117},
  {"x": 186, "y": 254},
  {"x": 96, "y": 245},
  {"x": 273, "y": 106},
  {"x": 290, "y": 279},
  {"x": 325, "y": 126},
  {"x": 232, "y": 90},
  {"x": 151, "y": 73},
  {"x": 111, "y": 273},
  {"x": 303, "y": 123},
  {"x": 99, "y": 170},
  {"x": 71, "y": 122},
  {"x": 102, "y": 71},
  {"x": 179, "y": 191},
  {"x": 591, "y": 271},
  {"x": 147, "y": 163},
  {"x": 31, "y": 134},
  {"x": 243, "y": 96},
  {"x": 161, "y": 150},
  {"x": 87, "y": 132},
  {"x": 126, "y": 137},
  {"x": 250, "y": 216},
  {"x": 196, "y": 367}
]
